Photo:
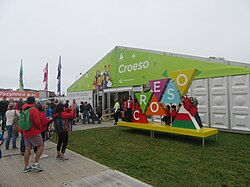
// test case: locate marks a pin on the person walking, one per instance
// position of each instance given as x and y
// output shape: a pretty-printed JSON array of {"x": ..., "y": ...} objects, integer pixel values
[
  {"x": 86, "y": 113},
  {"x": 11, "y": 126},
  {"x": 32, "y": 137},
  {"x": 99, "y": 113},
  {"x": 62, "y": 126},
  {"x": 91, "y": 113},
  {"x": 3, "y": 109},
  {"x": 116, "y": 111},
  {"x": 81, "y": 110},
  {"x": 73, "y": 106}
]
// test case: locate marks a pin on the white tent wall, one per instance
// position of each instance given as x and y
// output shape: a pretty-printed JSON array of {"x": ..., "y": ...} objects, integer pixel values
[{"x": 224, "y": 102}]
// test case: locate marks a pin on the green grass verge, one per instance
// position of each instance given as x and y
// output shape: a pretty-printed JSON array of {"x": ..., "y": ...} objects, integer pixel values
[{"x": 168, "y": 160}]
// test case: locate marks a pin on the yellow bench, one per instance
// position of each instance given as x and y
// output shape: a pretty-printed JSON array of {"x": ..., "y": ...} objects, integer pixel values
[{"x": 202, "y": 133}]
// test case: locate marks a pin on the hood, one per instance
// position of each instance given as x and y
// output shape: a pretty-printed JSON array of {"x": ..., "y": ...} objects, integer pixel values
[{"x": 25, "y": 106}]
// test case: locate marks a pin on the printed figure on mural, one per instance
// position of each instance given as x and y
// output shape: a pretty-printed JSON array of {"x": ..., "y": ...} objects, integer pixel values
[{"x": 102, "y": 79}]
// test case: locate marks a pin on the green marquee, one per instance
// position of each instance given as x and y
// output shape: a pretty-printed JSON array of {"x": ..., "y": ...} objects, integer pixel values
[{"x": 124, "y": 67}]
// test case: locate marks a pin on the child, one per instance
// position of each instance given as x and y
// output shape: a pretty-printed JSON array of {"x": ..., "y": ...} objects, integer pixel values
[
  {"x": 1, "y": 143},
  {"x": 173, "y": 113},
  {"x": 166, "y": 119},
  {"x": 192, "y": 109}
]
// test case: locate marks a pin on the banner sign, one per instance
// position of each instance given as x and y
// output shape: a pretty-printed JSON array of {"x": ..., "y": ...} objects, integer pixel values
[
  {"x": 85, "y": 96},
  {"x": 16, "y": 94},
  {"x": 127, "y": 68}
]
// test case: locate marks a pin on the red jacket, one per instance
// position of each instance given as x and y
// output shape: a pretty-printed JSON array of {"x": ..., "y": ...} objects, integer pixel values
[
  {"x": 66, "y": 115},
  {"x": 190, "y": 107},
  {"x": 130, "y": 104},
  {"x": 173, "y": 113},
  {"x": 124, "y": 105},
  {"x": 44, "y": 121},
  {"x": 35, "y": 120}
]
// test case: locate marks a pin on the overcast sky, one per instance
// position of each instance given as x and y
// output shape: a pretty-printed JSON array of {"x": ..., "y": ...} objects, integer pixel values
[{"x": 83, "y": 31}]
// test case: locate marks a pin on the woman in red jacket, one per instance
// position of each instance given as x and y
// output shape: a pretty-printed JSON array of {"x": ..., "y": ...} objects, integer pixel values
[{"x": 61, "y": 117}]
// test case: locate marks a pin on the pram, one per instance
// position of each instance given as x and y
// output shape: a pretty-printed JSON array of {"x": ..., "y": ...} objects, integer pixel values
[{"x": 94, "y": 117}]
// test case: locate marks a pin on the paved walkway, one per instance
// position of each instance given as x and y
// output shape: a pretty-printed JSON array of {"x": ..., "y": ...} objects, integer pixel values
[{"x": 79, "y": 171}]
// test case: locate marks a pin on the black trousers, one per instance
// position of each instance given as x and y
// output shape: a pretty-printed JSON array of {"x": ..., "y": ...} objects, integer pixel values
[
  {"x": 198, "y": 119},
  {"x": 129, "y": 115},
  {"x": 166, "y": 119},
  {"x": 116, "y": 115},
  {"x": 22, "y": 144},
  {"x": 63, "y": 138}
]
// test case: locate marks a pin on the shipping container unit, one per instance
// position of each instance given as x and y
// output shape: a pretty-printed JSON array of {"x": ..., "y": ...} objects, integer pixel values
[{"x": 224, "y": 102}]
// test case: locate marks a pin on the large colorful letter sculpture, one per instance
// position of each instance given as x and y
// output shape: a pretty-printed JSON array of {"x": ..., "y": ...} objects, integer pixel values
[
  {"x": 166, "y": 91},
  {"x": 155, "y": 108},
  {"x": 138, "y": 116},
  {"x": 172, "y": 94},
  {"x": 183, "y": 79}
]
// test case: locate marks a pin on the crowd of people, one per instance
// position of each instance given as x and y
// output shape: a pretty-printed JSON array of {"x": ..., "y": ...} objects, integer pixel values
[
  {"x": 34, "y": 121},
  {"x": 60, "y": 117}
]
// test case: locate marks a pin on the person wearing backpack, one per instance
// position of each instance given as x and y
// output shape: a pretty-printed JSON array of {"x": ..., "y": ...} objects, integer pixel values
[
  {"x": 29, "y": 124},
  {"x": 62, "y": 127},
  {"x": 192, "y": 109}
]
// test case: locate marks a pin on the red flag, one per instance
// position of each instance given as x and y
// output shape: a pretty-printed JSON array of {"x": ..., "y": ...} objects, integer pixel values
[{"x": 45, "y": 77}]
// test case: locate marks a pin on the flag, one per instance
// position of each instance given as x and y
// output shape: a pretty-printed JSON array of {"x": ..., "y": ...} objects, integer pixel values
[
  {"x": 59, "y": 77},
  {"x": 21, "y": 77},
  {"x": 45, "y": 77}
]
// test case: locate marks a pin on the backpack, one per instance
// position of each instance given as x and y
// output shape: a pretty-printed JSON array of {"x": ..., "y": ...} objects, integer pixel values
[
  {"x": 59, "y": 124},
  {"x": 24, "y": 122},
  {"x": 194, "y": 101}
]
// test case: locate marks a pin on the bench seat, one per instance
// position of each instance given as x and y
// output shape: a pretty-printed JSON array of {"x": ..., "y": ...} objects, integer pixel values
[{"x": 201, "y": 133}]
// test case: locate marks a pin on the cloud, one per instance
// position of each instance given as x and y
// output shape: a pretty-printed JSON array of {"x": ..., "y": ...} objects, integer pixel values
[{"x": 84, "y": 31}]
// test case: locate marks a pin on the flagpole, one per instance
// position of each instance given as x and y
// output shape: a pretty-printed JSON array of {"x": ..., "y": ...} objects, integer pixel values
[
  {"x": 59, "y": 75},
  {"x": 47, "y": 91},
  {"x": 21, "y": 86}
]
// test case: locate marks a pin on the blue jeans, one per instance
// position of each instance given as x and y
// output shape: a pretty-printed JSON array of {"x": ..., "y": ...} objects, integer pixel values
[
  {"x": 86, "y": 117},
  {"x": 11, "y": 134}
]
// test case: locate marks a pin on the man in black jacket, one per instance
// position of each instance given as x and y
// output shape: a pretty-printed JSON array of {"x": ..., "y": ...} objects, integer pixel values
[{"x": 3, "y": 109}]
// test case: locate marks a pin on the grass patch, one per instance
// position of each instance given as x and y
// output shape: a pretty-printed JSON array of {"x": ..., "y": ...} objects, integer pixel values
[{"x": 168, "y": 160}]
